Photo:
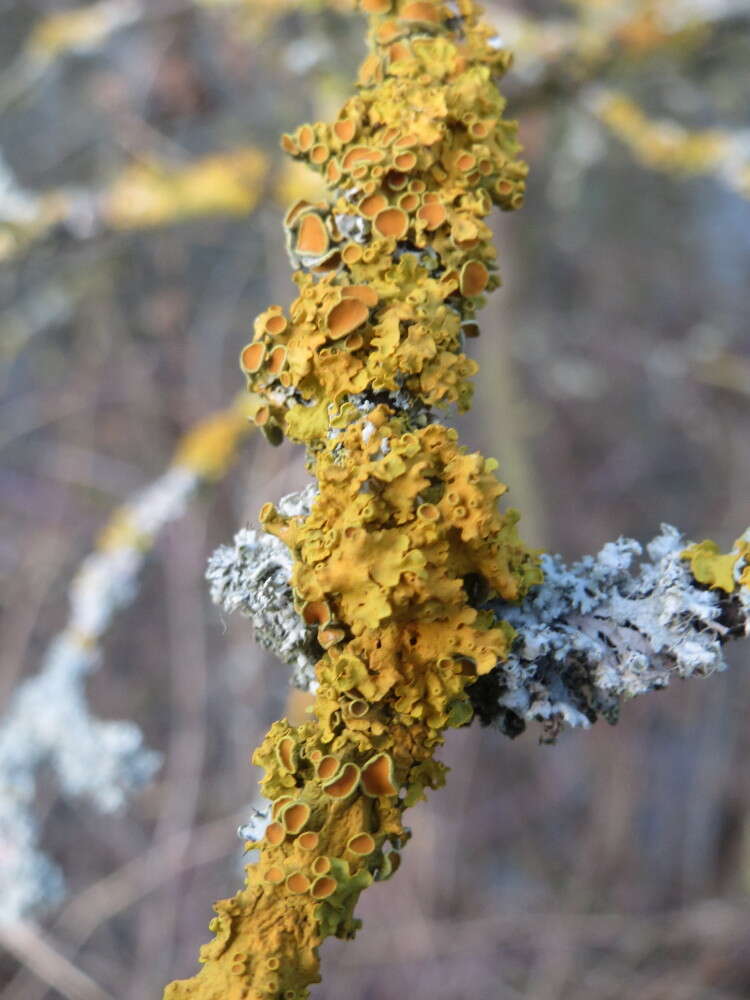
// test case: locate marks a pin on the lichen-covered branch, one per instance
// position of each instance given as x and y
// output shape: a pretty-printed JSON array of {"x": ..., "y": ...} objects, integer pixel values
[
  {"x": 48, "y": 720},
  {"x": 591, "y": 636},
  {"x": 611, "y": 627},
  {"x": 670, "y": 148},
  {"x": 397, "y": 587},
  {"x": 391, "y": 268},
  {"x": 147, "y": 193}
]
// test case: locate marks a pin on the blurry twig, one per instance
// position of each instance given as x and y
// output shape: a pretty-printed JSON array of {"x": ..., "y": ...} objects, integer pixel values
[
  {"x": 185, "y": 752},
  {"x": 49, "y": 303},
  {"x": 567, "y": 55},
  {"x": 182, "y": 851},
  {"x": 563, "y": 57},
  {"x": 563, "y": 54},
  {"x": 81, "y": 30},
  {"x": 149, "y": 192},
  {"x": 86, "y": 29},
  {"x": 165, "y": 860},
  {"x": 48, "y": 718},
  {"x": 728, "y": 371},
  {"x": 558, "y": 53},
  {"x": 35, "y": 950},
  {"x": 668, "y": 147}
]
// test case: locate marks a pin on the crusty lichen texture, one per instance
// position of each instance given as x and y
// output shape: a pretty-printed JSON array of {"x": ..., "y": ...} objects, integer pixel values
[{"x": 404, "y": 538}]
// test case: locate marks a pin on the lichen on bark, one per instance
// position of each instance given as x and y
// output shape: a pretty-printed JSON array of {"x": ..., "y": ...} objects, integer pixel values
[{"x": 391, "y": 269}]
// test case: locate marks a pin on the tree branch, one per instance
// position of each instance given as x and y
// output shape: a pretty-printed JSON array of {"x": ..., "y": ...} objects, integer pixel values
[
  {"x": 48, "y": 719},
  {"x": 590, "y": 637}
]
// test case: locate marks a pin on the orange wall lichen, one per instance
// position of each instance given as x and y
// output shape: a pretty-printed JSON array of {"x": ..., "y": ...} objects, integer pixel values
[{"x": 391, "y": 270}]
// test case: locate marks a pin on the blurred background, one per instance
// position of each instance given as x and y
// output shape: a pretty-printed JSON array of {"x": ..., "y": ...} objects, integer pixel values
[{"x": 141, "y": 194}]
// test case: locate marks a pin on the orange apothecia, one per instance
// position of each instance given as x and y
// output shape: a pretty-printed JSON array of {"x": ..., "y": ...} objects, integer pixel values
[{"x": 391, "y": 269}]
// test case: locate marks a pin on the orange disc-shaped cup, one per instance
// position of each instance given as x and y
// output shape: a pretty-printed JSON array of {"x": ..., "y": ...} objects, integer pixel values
[
  {"x": 361, "y": 844},
  {"x": 312, "y": 238},
  {"x": 392, "y": 222},
  {"x": 377, "y": 776},
  {"x": 285, "y": 753},
  {"x": 295, "y": 816},
  {"x": 324, "y": 887},
  {"x": 252, "y": 357},
  {"x": 474, "y": 278},
  {"x": 297, "y": 883},
  {"x": 275, "y": 833},
  {"x": 345, "y": 783},
  {"x": 346, "y": 316},
  {"x": 328, "y": 767}
]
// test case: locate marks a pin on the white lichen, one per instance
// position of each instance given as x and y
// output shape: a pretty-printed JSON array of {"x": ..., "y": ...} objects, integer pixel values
[
  {"x": 49, "y": 721},
  {"x": 608, "y": 628},
  {"x": 252, "y": 576}
]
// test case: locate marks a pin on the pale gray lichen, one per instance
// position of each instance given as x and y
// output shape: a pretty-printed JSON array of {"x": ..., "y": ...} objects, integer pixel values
[
  {"x": 252, "y": 576},
  {"x": 258, "y": 818},
  {"x": 49, "y": 720},
  {"x": 606, "y": 629}
]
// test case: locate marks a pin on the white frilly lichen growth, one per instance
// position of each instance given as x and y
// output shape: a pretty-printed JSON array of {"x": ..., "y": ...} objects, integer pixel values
[
  {"x": 609, "y": 628},
  {"x": 48, "y": 720},
  {"x": 104, "y": 762},
  {"x": 252, "y": 576}
]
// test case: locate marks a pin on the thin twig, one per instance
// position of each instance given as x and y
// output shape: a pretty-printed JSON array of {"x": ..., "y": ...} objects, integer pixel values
[{"x": 38, "y": 953}]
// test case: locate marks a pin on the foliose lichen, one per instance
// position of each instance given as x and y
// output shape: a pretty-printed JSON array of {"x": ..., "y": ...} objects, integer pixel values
[
  {"x": 616, "y": 625},
  {"x": 400, "y": 582},
  {"x": 253, "y": 576},
  {"x": 391, "y": 269}
]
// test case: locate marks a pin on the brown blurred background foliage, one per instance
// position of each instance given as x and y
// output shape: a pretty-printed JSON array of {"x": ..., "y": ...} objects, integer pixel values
[{"x": 614, "y": 390}]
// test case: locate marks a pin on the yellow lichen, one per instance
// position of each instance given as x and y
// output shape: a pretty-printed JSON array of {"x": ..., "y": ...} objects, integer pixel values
[
  {"x": 152, "y": 193},
  {"x": 392, "y": 267},
  {"x": 429, "y": 121},
  {"x": 211, "y": 446},
  {"x": 720, "y": 571},
  {"x": 669, "y": 147},
  {"x": 78, "y": 29}
]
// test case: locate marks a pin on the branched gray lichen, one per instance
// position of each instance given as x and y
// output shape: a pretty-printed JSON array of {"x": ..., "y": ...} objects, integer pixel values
[
  {"x": 606, "y": 629},
  {"x": 595, "y": 633},
  {"x": 252, "y": 576},
  {"x": 49, "y": 720}
]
